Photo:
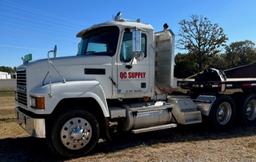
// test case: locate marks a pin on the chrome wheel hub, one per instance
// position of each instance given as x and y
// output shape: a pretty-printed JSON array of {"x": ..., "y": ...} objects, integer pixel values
[{"x": 76, "y": 133}]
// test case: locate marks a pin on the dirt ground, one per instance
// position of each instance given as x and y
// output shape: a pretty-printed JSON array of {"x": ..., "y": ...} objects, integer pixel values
[{"x": 196, "y": 143}]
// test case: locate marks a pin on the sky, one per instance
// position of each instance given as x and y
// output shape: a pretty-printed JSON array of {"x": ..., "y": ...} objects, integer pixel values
[{"x": 35, "y": 26}]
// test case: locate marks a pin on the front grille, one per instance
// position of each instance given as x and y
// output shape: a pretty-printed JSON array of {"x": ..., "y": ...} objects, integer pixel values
[{"x": 22, "y": 87}]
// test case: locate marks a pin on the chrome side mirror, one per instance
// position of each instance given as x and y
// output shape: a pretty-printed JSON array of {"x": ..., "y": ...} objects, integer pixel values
[
  {"x": 136, "y": 44},
  {"x": 136, "y": 40}
]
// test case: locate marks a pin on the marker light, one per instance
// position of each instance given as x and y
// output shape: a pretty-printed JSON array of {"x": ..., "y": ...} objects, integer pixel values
[{"x": 38, "y": 102}]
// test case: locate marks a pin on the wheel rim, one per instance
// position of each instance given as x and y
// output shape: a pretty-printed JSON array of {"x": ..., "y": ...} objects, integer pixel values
[
  {"x": 76, "y": 133},
  {"x": 224, "y": 113},
  {"x": 250, "y": 109}
]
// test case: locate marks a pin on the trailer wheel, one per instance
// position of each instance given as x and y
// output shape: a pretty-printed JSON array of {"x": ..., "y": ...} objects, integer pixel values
[
  {"x": 74, "y": 133},
  {"x": 248, "y": 109},
  {"x": 223, "y": 112}
]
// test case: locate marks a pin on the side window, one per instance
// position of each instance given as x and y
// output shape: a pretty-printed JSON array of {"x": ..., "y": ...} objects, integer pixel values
[{"x": 126, "y": 48}]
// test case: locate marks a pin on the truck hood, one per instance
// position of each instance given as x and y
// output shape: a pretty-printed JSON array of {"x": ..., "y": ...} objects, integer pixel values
[
  {"x": 40, "y": 72},
  {"x": 71, "y": 60}
]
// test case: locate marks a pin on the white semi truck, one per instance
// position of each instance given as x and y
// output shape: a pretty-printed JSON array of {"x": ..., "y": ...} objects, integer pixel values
[{"x": 121, "y": 80}]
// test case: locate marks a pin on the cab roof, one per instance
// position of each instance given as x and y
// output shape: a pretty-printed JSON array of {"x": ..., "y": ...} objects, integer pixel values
[{"x": 128, "y": 24}]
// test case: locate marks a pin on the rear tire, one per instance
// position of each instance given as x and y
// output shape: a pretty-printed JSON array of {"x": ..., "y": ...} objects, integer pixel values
[
  {"x": 223, "y": 112},
  {"x": 248, "y": 109},
  {"x": 74, "y": 133}
]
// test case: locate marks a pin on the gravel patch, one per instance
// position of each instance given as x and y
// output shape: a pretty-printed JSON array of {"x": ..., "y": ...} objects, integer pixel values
[{"x": 196, "y": 143}]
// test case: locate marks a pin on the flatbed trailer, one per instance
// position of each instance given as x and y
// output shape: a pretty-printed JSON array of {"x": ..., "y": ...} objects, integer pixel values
[
  {"x": 237, "y": 78},
  {"x": 244, "y": 84},
  {"x": 215, "y": 94}
]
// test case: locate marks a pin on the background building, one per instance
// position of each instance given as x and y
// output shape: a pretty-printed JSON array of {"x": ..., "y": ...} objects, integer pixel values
[{"x": 4, "y": 75}]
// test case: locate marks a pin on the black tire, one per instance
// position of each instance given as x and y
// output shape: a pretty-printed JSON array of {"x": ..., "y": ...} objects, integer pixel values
[
  {"x": 248, "y": 109},
  {"x": 223, "y": 112},
  {"x": 60, "y": 126}
]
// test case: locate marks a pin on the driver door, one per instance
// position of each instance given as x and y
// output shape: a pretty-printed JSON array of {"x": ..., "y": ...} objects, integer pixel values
[{"x": 133, "y": 72}]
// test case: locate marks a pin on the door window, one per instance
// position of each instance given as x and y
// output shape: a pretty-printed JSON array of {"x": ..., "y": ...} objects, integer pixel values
[{"x": 126, "y": 48}]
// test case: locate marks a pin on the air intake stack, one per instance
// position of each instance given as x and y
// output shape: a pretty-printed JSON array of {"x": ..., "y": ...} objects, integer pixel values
[{"x": 164, "y": 65}]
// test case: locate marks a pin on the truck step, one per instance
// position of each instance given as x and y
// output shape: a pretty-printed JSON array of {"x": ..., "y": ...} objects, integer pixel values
[{"x": 154, "y": 128}]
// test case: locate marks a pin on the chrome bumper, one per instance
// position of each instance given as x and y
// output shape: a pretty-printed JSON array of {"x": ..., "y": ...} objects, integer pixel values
[{"x": 34, "y": 126}]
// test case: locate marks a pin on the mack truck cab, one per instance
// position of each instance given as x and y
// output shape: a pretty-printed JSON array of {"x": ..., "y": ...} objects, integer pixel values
[{"x": 121, "y": 79}]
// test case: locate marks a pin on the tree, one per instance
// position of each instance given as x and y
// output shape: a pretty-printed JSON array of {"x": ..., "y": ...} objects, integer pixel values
[
  {"x": 201, "y": 38},
  {"x": 184, "y": 66},
  {"x": 219, "y": 62},
  {"x": 7, "y": 69},
  {"x": 240, "y": 53}
]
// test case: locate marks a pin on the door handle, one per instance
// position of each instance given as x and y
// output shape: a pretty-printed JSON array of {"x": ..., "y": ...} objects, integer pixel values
[{"x": 128, "y": 66}]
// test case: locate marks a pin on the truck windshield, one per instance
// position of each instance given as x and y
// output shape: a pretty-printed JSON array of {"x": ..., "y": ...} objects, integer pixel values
[{"x": 100, "y": 41}]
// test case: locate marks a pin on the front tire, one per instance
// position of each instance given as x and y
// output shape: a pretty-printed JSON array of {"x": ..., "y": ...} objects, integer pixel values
[
  {"x": 74, "y": 133},
  {"x": 223, "y": 112}
]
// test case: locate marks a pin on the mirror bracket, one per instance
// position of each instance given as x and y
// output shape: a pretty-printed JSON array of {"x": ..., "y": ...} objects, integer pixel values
[
  {"x": 128, "y": 66},
  {"x": 54, "y": 51}
]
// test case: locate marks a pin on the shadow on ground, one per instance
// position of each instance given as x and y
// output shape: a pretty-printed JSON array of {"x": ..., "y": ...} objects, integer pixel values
[
  {"x": 32, "y": 149},
  {"x": 24, "y": 149}
]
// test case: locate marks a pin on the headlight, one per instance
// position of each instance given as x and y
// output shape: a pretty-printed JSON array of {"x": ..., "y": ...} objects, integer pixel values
[
  {"x": 37, "y": 102},
  {"x": 33, "y": 101}
]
